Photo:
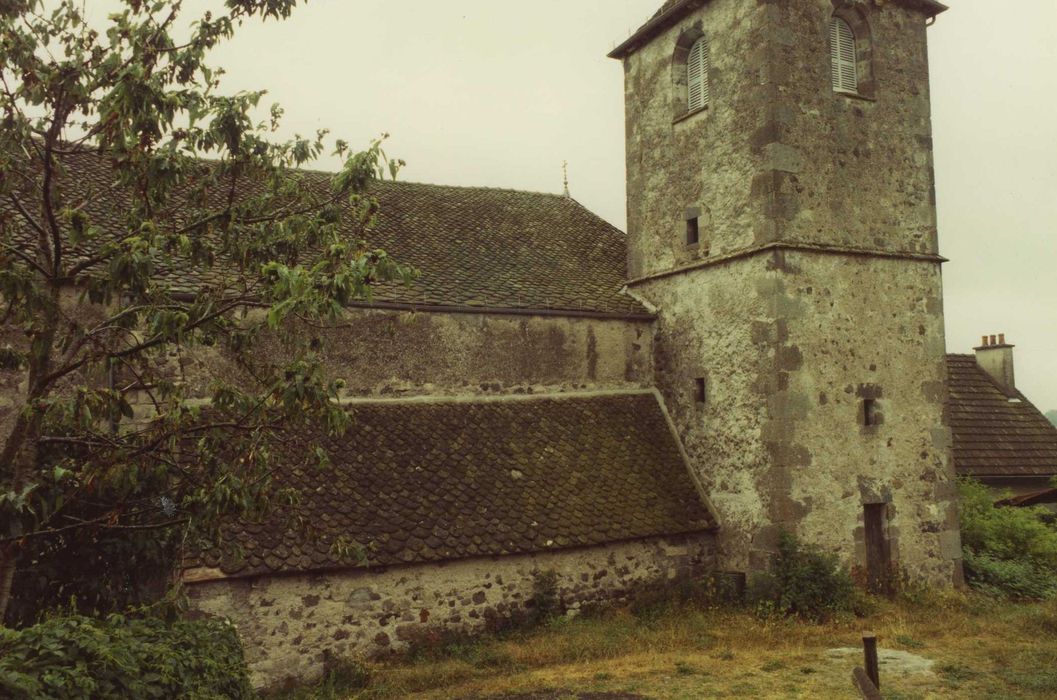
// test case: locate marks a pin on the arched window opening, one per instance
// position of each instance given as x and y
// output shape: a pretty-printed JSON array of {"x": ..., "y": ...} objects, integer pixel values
[
  {"x": 697, "y": 92},
  {"x": 844, "y": 57}
]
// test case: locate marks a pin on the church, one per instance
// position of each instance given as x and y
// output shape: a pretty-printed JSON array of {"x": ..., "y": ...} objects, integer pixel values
[{"x": 763, "y": 351}]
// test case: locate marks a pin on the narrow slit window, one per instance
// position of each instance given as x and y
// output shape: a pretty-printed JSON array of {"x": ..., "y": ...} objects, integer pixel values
[
  {"x": 843, "y": 57},
  {"x": 700, "y": 390},
  {"x": 697, "y": 92},
  {"x": 693, "y": 231}
]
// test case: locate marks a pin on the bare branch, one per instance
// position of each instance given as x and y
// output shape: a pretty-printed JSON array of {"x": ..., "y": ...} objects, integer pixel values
[{"x": 25, "y": 258}]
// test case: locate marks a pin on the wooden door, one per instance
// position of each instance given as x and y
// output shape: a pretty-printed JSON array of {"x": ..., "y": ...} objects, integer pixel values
[{"x": 878, "y": 551}]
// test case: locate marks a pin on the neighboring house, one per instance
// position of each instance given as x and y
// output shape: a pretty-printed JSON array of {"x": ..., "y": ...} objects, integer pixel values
[
  {"x": 762, "y": 352},
  {"x": 1000, "y": 438}
]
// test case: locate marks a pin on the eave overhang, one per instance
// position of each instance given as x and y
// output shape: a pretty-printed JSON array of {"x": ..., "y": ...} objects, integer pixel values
[{"x": 930, "y": 8}]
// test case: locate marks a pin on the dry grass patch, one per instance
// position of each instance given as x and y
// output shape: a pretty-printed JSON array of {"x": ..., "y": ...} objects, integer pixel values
[{"x": 981, "y": 648}]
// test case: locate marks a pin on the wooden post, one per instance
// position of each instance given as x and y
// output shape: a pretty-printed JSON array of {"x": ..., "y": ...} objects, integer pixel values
[
  {"x": 865, "y": 686},
  {"x": 869, "y": 647}
]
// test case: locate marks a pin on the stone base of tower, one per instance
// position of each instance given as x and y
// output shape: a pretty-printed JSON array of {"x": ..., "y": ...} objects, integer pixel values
[{"x": 822, "y": 410}]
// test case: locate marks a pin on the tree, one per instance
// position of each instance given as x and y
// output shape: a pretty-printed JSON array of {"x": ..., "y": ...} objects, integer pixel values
[
  {"x": 202, "y": 187},
  {"x": 1052, "y": 415}
]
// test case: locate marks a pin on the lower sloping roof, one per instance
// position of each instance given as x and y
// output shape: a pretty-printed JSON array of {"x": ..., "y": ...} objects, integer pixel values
[
  {"x": 424, "y": 481},
  {"x": 995, "y": 435}
]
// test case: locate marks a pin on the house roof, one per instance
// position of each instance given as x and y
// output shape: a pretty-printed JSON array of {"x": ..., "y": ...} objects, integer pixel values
[
  {"x": 993, "y": 434},
  {"x": 425, "y": 481},
  {"x": 1035, "y": 498},
  {"x": 478, "y": 248},
  {"x": 674, "y": 10}
]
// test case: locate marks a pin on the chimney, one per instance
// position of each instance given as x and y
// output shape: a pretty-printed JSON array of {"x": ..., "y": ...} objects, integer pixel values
[{"x": 995, "y": 357}]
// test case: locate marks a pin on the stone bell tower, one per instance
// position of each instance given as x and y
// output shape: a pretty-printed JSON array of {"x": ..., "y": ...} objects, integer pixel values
[{"x": 782, "y": 220}]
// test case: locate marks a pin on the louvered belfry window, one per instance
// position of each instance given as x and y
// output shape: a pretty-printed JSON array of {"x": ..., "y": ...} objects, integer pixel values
[
  {"x": 697, "y": 76},
  {"x": 843, "y": 56}
]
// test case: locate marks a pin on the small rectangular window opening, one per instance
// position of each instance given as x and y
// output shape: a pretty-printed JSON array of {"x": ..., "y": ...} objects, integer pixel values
[
  {"x": 869, "y": 411},
  {"x": 693, "y": 231},
  {"x": 700, "y": 390}
]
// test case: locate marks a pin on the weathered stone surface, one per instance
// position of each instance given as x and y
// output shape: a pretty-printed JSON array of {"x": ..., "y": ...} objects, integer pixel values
[
  {"x": 393, "y": 353},
  {"x": 822, "y": 289},
  {"x": 288, "y": 639}
]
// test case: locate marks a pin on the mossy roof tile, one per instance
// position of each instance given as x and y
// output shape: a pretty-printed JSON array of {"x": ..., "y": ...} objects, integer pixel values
[{"x": 597, "y": 489}]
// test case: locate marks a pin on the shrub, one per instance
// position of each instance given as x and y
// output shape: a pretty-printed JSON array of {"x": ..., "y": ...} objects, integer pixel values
[
  {"x": 1008, "y": 552},
  {"x": 79, "y": 657},
  {"x": 546, "y": 598},
  {"x": 805, "y": 582}
]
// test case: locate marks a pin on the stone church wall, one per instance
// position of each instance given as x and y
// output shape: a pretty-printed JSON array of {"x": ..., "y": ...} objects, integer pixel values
[
  {"x": 385, "y": 353},
  {"x": 398, "y": 353},
  {"x": 290, "y": 625}
]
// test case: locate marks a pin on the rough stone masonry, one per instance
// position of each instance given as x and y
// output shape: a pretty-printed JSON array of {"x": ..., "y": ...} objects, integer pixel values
[{"x": 811, "y": 302}]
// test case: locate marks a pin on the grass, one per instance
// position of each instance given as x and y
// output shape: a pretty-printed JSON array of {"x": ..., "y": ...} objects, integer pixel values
[{"x": 982, "y": 648}]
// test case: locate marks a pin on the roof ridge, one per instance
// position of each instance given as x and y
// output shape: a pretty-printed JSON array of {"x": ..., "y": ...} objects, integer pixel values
[
  {"x": 486, "y": 188},
  {"x": 321, "y": 171}
]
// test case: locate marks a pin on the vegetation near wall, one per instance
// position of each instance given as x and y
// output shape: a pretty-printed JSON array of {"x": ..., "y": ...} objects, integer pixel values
[
  {"x": 79, "y": 657},
  {"x": 804, "y": 582},
  {"x": 1009, "y": 552}
]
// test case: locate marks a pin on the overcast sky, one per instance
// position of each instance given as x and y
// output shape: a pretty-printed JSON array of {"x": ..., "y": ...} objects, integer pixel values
[{"x": 500, "y": 92}]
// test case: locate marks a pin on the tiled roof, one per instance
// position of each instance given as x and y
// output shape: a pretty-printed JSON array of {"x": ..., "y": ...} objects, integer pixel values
[
  {"x": 502, "y": 248},
  {"x": 994, "y": 436},
  {"x": 475, "y": 247},
  {"x": 418, "y": 481}
]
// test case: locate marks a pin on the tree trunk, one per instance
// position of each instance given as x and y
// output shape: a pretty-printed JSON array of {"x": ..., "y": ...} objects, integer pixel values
[
  {"x": 8, "y": 564},
  {"x": 18, "y": 459},
  {"x": 19, "y": 455}
]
